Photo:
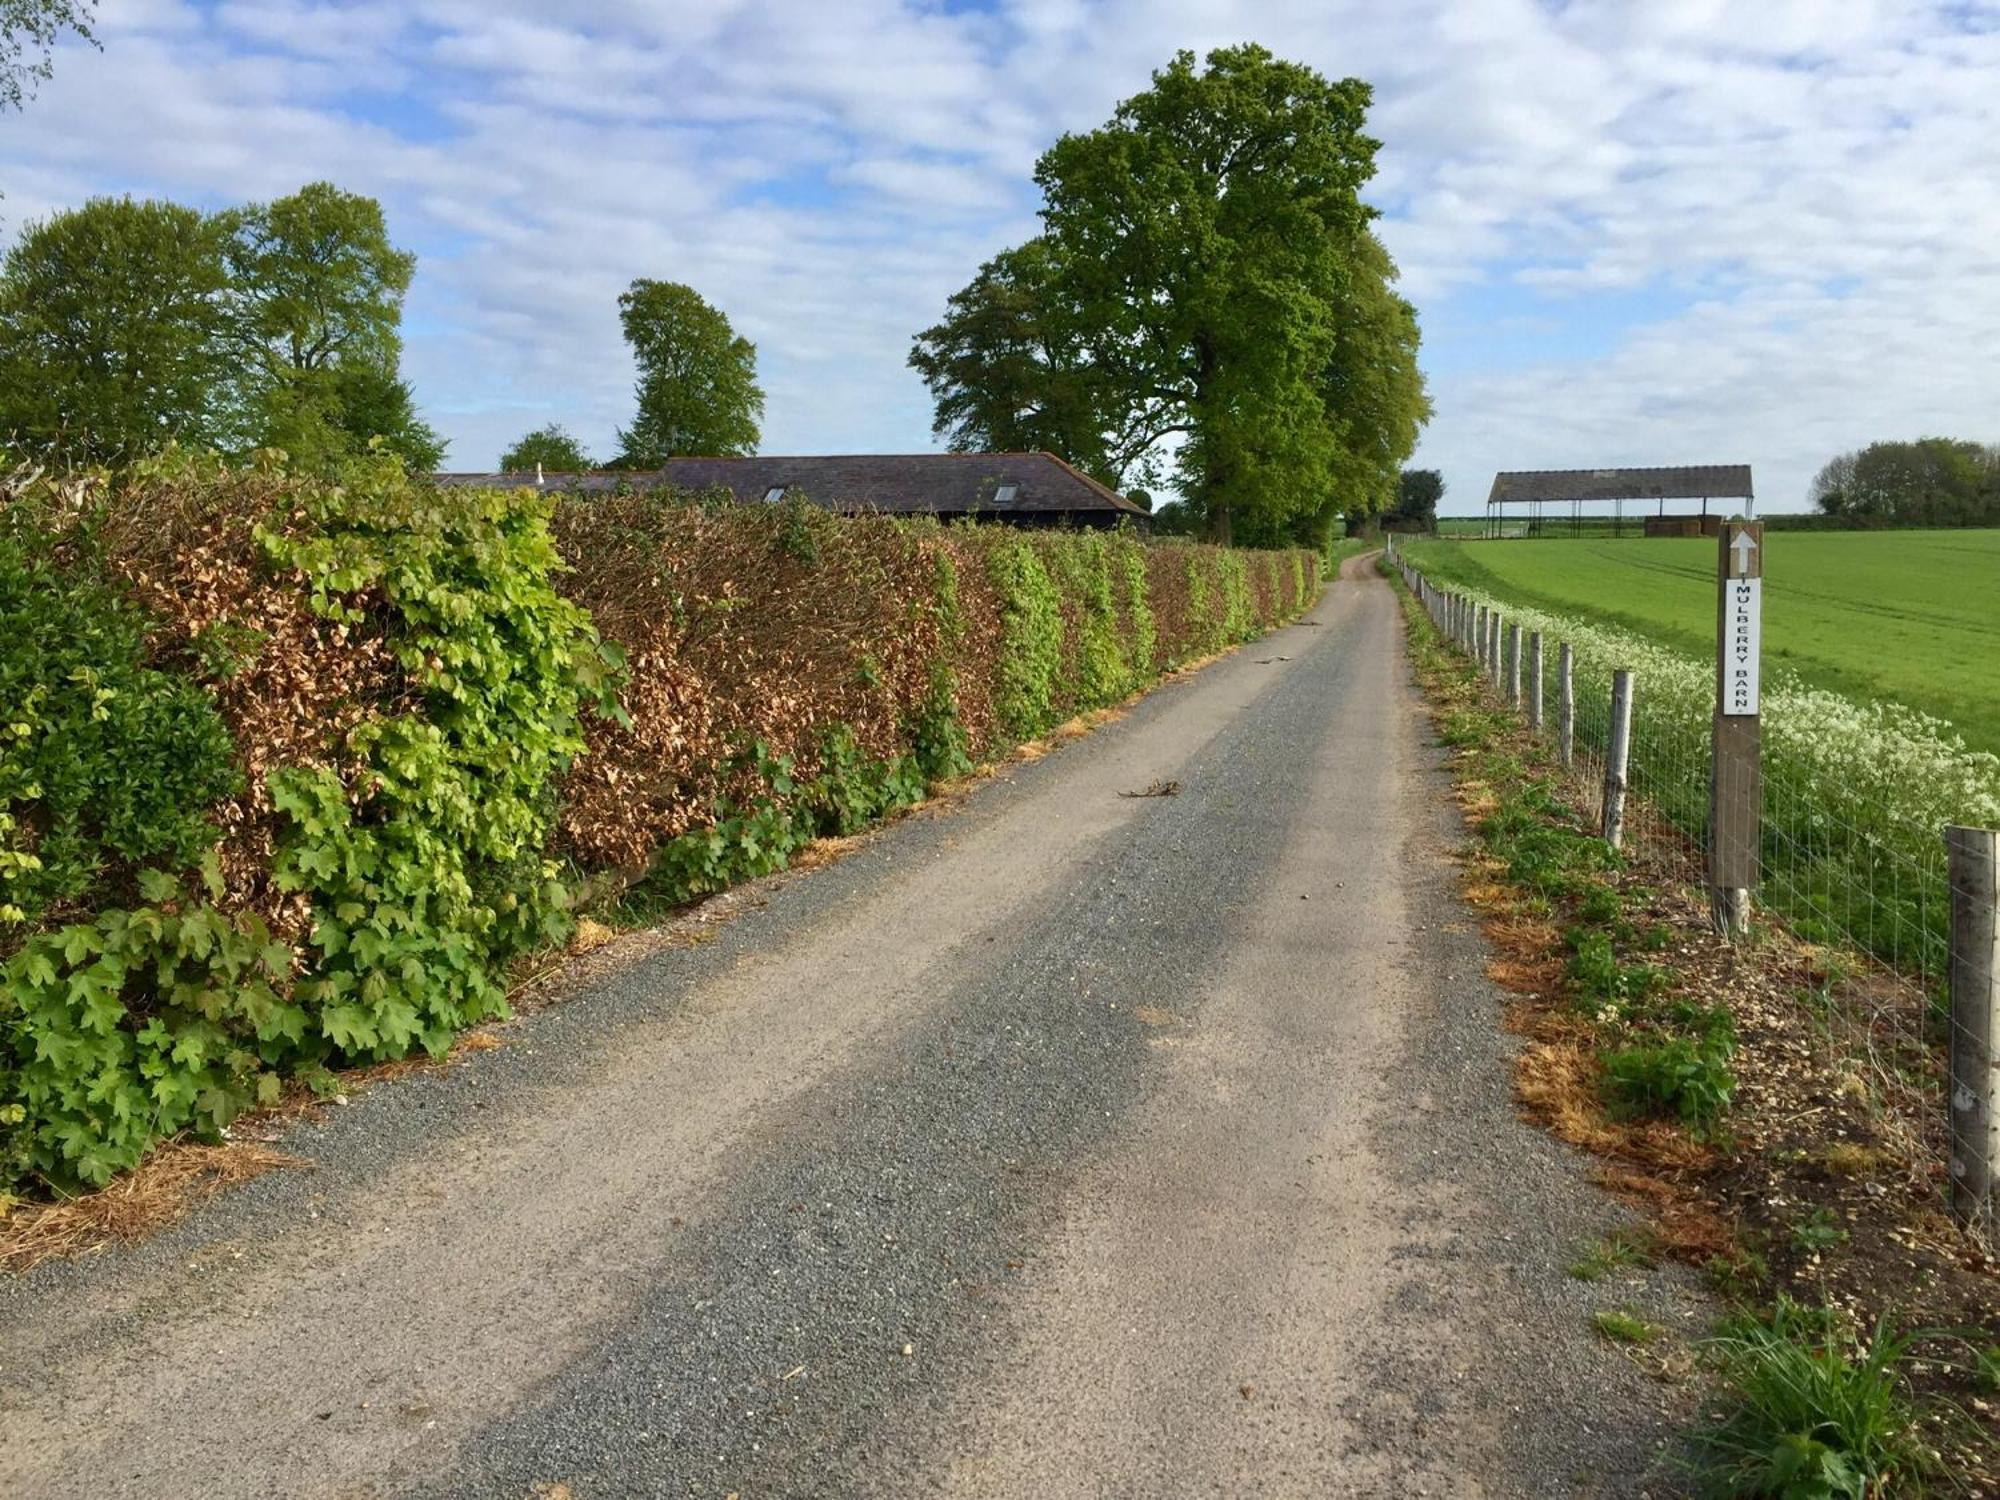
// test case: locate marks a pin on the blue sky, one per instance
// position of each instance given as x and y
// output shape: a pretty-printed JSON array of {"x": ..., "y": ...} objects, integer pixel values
[{"x": 1676, "y": 231}]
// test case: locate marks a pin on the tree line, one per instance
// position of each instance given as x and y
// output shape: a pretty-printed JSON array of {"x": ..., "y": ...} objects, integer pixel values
[
  {"x": 127, "y": 324},
  {"x": 1929, "y": 482},
  {"x": 1207, "y": 307}
]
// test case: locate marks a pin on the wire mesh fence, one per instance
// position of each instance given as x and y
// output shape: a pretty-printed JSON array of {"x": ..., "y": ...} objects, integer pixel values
[{"x": 1852, "y": 852}]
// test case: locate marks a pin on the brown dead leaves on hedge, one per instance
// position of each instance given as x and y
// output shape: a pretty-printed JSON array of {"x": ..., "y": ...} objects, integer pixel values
[{"x": 776, "y": 623}]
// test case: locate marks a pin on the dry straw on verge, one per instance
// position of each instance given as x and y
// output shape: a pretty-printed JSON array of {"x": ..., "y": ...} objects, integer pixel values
[{"x": 161, "y": 1191}]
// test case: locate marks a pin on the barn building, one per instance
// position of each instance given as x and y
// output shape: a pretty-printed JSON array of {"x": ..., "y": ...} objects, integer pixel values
[{"x": 1539, "y": 497}]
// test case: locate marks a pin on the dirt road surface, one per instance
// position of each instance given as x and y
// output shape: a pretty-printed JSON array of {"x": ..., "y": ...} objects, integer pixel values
[{"x": 1061, "y": 1144}]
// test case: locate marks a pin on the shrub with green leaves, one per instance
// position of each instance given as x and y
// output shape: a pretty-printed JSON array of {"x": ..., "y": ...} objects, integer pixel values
[
  {"x": 159, "y": 1009},
  {"x": 138, "y": 1024},
  {"x": 1097, "y": 672},
  {"x": 853, "y": 789},
  {"x": 1687, "y": 1078},
  {"x": 1137, "y": 629},
  {"x": 107, "y": 765},
  {"x": 429, "y": 873},
  {"x": 1031, "y": 638}
]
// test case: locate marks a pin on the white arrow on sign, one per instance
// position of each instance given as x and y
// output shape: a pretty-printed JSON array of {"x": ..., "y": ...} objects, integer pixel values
[{"x": 1743, "y": 546}]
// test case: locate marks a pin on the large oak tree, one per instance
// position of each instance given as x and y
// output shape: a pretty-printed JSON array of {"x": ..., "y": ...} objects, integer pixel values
[
  {"x": 316, "y": 302},
  {"x": 1206, "y": 298}
]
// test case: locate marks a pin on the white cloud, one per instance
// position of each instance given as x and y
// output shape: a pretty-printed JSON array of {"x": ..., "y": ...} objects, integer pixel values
[{"x": 1690, "y": 229}]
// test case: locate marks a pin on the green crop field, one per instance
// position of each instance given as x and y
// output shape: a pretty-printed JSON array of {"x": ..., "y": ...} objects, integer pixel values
[{"x": 1907, "y": 615}]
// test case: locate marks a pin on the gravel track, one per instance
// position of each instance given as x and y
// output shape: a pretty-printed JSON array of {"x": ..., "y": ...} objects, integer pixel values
[{"x": 1061, "y": 1143}]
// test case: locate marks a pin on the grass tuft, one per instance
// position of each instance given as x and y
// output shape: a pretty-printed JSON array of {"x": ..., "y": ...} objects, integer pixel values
[
  {"x": 1814, "y": 1411},
  {"x": 1623, "y": 1326},
  {"x": 1622, "y": 1249}
]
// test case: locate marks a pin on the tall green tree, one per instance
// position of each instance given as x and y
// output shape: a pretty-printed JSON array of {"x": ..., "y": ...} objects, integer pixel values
[
  {"x": 1376, "y": 403},
  {"x": 125, "y": 325},
  {"x": 29, "y": 31},
  {"x": 698, "y": 391},
  {"x": 111, "y": 331},
  {"x": 316, "y": 294},
  {"x": 1208, "y": 274},
  {"x": 550, "y": 448}
]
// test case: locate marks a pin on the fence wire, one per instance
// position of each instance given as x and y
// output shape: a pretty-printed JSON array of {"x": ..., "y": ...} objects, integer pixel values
[{"x": 1855, "y": 802}]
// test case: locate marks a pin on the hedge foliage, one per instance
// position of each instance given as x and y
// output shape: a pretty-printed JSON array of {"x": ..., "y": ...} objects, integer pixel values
[{"x": 291, "y": 772}]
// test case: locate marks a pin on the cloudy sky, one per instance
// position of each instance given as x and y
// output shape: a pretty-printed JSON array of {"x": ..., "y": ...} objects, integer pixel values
[{"x": 1638, "y": 233}]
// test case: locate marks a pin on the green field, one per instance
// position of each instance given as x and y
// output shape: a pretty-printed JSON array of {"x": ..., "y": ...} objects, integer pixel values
[{"x": 1907, "y": 615}]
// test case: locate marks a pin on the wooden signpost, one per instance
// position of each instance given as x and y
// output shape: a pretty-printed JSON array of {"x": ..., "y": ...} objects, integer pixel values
[{"x": 1735, "y": 793}]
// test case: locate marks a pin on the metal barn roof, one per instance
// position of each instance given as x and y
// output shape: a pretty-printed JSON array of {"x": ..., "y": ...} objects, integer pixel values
[{"x": 1686, "y": 482}]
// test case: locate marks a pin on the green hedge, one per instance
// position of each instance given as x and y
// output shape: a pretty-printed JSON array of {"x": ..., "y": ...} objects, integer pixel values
[
  {"x": 146, "y": 989},
  {"x": 425, "y": 870}
]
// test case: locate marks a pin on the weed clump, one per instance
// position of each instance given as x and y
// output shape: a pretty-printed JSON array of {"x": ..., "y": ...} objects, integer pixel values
[
  {"x": 1813, "y": 1410},
  {"x": 1622, "y": 1326},
  {"x": 1679, "y": 1077}
]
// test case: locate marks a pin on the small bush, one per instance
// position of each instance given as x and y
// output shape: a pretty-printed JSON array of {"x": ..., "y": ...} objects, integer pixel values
[
  {"x": 852, "y": 789},
  {"x": 107, "y": 764},
  {"x": 1815, "y": 1411},
  {"x": 1598, "y": 904},
  {"x": 1552, "y": 860},
  {"x": 1678, "y": 1077},
  {"x": 1598, "y": 980},
  {"x": 1818, "y": 1232}
]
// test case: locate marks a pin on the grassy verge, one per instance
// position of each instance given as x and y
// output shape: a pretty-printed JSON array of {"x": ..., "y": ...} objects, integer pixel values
[{"x": 1736, "y": 1096}]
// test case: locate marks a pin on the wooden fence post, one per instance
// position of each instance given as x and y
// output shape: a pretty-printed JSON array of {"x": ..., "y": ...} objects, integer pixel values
[
  {"x": 1566, "y": 703},
  {"x": 1535, "y": 681},
  {"x": 1735, "y": 783},
  {"x": 1973, "y": 858},
  {"x": 1617, "y": 754},
  {"x": 1514, "y": 666},
  {"x": 1493, "y": 663},
  {"x": 1480, "y": 628}
]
